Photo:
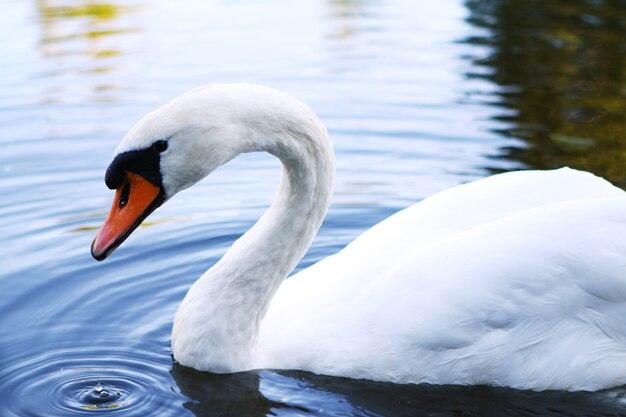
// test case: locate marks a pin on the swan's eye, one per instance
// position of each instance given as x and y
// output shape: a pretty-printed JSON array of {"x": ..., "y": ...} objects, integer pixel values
[
  {"x": 124, "y": 195},
  {"x": 160, "y": 146}
]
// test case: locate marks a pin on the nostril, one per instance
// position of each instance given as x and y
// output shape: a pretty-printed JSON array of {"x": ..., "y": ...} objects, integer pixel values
[{"x": 124, "y": 195}]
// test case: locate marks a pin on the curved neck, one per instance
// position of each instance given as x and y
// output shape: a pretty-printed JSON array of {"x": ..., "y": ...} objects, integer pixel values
[{"x": 217, "y": 324}]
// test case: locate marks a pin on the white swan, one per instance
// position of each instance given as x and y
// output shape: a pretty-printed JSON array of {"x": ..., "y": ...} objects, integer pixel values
[{"x": 516, "y": 280}]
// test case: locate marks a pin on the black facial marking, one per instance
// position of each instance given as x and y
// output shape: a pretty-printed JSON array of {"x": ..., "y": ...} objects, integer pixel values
[{"x": 144, "y": 162}]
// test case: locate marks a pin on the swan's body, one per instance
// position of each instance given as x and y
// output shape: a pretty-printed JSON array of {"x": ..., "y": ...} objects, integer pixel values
[{"x": 516, "y": 280}]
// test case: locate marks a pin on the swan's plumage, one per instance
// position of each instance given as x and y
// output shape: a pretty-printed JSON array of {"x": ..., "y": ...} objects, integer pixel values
[{"x": 515, "y": 280}]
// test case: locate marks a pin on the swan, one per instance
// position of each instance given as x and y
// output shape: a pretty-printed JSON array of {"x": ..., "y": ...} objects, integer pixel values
[{"x": 516, "y": 280}]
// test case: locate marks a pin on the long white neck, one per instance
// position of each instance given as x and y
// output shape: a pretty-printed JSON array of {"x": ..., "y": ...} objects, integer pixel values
[{"x": 217, "y": 324}]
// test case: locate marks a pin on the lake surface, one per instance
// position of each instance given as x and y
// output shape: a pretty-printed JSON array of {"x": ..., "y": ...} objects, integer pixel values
[{"x": 417, "y": 97}]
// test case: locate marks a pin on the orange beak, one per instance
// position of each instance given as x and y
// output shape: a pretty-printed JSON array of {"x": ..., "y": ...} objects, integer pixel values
[{"x": 134, "y": 200}]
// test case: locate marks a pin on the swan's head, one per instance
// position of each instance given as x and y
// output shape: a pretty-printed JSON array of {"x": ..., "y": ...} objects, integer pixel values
[{"x": 183, "y": 141}]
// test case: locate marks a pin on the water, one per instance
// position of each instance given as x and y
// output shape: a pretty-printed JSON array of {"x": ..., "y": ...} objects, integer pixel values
[{"x": 417, "y": 96}]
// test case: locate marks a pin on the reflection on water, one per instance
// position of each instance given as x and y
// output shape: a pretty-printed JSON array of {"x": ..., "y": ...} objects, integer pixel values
[
  {"x": 73, "y": 31},
  {"x": 342, "y": 13},
  {"x": 87, "y": 22},
  {"x": 561, "y": 69},
  {"x": 265, "y": 393},
  {"x": 221, "y": 395}
]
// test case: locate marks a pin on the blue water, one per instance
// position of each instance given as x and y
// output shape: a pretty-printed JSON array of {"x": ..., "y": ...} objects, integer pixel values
[{"x": 410, "y": 110}]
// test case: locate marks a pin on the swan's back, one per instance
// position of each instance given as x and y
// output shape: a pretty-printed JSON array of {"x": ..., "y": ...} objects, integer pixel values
[{"x": 518, "y": 280}]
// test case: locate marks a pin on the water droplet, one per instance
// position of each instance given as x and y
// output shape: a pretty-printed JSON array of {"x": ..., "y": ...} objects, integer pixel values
[{"x": 100, "y": 395}]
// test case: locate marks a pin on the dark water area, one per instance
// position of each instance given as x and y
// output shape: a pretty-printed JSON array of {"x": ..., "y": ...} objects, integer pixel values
[
  {"x": 561, "y": 68},
  {"x": 417, "y": 97}
]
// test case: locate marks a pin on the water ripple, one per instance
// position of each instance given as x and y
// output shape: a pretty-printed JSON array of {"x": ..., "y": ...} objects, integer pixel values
[{"x": 76, "y": 381}]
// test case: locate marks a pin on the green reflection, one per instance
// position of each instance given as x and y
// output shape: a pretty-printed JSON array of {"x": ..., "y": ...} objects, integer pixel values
[
  {"x": 82, "y": 28},
  {"x": 95, "y": 35},
  {"x": 91, "y": 228},
  {"x": 561, "y": 69},
  {"x": 98, "y": 10}
]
